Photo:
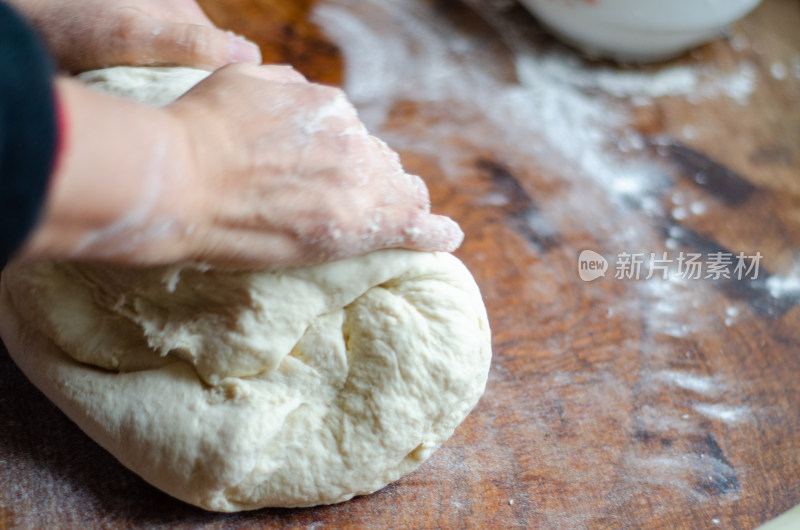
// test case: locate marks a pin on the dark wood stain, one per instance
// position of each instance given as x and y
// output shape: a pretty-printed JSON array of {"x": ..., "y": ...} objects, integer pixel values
[
  {"x": 719, "y": 180},
  {"x": 524, "y": 217},
  {"x": 752, "y": 291}
]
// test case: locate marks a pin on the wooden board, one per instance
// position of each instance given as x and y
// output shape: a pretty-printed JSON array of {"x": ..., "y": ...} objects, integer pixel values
[{"x": 611, "y": 403}]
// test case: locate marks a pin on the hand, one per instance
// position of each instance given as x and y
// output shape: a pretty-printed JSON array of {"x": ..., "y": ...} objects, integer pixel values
[
  {"x": 253, "y": 168},
  {"x": 294, "y": 177},
  {"x": 89, "y": 34}
]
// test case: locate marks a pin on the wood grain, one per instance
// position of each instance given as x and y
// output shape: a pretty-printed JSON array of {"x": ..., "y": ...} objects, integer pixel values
[
  {"x": 284, "y": 33},
  {"x": 610, "y": 404}
]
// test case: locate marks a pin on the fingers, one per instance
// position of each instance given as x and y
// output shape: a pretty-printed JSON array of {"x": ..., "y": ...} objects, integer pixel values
[
  {"x": 431, "y": 233},
  {"x": 301, "y": 175},
  {"x": 196, "y": 45},
  {"x": 275, "y": 73}
]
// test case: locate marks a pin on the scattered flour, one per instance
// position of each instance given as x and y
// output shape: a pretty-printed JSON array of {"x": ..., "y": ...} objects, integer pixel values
[
  {"x": 778, "y": 70},
  {"x": 558, "y": 97},
  {"x": 788, "y": 285},
  {"x": 738, "y": 85},
  {"x": 645, "y": 84},
  {"x": 669, "y": 81},
  {"x": 722, "y": 412},
  {"x": 550, "y": 111},
  {"x": 700, "y": 384}
]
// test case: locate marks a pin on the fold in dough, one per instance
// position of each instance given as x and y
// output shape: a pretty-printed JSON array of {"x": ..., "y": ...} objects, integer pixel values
[{"x": 354, "y": 372}]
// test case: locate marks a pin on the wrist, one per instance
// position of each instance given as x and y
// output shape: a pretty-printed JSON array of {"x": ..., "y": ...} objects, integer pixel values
[
  {"x": 206, "y": 150},
  {"x": 118, "y": 164}
]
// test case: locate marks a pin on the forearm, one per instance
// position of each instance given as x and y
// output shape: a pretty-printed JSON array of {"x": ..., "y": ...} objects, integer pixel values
[
  {"x": 119, "y": 161},
  {"x": 226, "y": 176},
  {"x": 28, "y": 123}
]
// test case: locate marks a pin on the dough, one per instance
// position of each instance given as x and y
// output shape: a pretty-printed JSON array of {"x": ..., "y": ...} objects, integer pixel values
[
  {"x": 155, "y": 85},
  {"x": 236, "y": 391},
  {"x": 239, "y": 391}
]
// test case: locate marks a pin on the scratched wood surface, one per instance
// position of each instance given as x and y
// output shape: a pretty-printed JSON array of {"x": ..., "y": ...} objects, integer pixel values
[{"x": 612, "y": 403}]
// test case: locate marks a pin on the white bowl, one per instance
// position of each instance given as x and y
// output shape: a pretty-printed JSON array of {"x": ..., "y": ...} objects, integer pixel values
[{"x": 638, "y": 30}]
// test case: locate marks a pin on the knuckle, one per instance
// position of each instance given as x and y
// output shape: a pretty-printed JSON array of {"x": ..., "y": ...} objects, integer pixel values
[
  {"x": 126, "y": 37},
  {"x": 126, "y": 28}
]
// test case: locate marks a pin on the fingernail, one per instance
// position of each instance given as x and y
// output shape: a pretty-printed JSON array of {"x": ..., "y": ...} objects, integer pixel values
[{"x": 243, "y": 51}]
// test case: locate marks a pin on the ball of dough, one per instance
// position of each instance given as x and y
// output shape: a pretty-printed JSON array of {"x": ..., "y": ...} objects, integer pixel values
[{"x": 236, "y": 391}]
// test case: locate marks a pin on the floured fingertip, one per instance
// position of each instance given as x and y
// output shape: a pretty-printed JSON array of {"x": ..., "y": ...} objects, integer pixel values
[
  {"x": 438, "y": 233},
  {"x": 453, "y": 235}
]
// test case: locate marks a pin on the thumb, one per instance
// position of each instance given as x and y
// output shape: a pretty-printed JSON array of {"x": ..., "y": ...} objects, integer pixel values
[{"x": 200, "y": 46}]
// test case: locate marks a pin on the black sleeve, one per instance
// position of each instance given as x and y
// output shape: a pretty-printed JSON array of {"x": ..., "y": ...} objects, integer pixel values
[{"x": 28, "y": 129}]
